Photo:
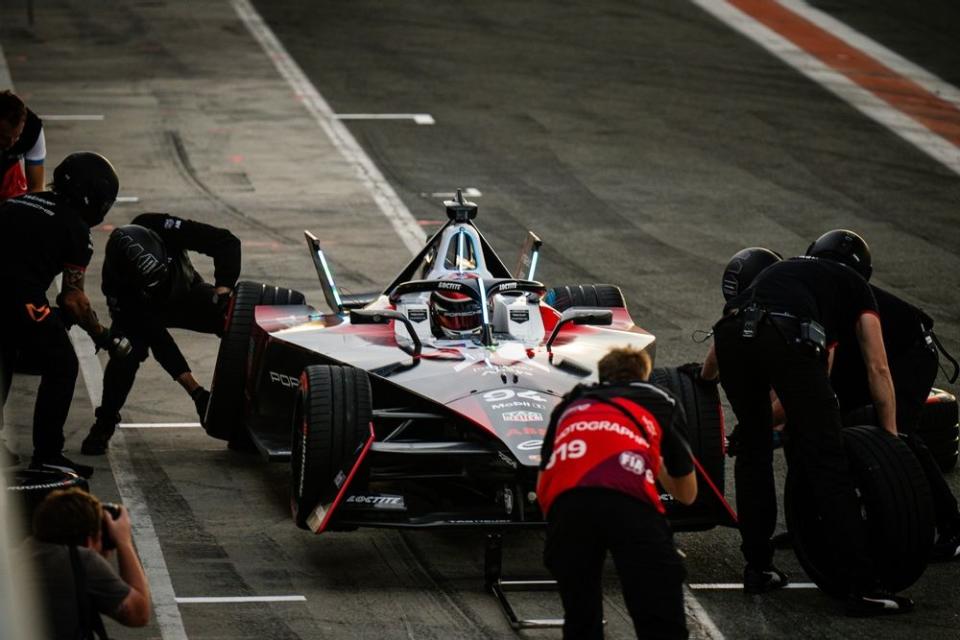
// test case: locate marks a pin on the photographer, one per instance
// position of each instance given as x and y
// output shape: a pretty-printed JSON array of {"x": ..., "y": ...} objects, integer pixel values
[
  {"x": 597, "y": 487},
  {"x": 71, "y": 534}
]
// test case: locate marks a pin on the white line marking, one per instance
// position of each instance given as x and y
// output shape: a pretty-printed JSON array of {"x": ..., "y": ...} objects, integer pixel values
[
  {"x": 419, "y": 118},
  {"x": 469, "y": 192},
  {"x": 697, "y": 612},
  {"x": 383, "y": 194},
  {"x": 127, "y": 199},
  {"x": 232, "y": 599},
  {"x": 935, "y": 85},
  {"x": 165, "y": 607},
  {"x": 159, "y": 425},
  {"x": 73, "y": 117},
  {"x": 867, "y": 103},
  {"x": 736, "y": 586}
]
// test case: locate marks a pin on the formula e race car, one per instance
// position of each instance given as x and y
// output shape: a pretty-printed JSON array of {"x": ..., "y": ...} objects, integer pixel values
[{"x": 426, "y": 405}]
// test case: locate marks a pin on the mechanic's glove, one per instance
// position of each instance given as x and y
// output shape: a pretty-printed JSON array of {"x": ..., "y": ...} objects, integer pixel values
[
  {"x": 201, "y": 398},
  {"x": 115, "y": 344},
  {"x": 222, "y": 299},
  {"x": 733, "y": 442}
]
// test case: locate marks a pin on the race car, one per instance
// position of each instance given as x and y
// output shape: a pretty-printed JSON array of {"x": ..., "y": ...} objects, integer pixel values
[{"x": 425, "y": 405}]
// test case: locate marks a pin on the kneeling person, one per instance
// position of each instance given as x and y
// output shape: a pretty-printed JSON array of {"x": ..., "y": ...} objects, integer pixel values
[
  {"x": 605, "y": 448},
  {"x": 151, "y": 286}
]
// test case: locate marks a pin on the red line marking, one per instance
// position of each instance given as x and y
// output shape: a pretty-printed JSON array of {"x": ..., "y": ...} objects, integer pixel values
[{"x": 934, "y": 113}]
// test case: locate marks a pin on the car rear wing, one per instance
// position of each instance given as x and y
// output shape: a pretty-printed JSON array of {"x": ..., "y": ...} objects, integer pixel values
[{"x": 529, "y": 253}]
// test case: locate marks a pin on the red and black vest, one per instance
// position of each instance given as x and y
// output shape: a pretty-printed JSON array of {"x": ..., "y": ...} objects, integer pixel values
[{"x": 609, "y": 439}]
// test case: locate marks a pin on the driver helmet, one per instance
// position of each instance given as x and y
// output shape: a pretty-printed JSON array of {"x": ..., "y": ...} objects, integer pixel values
[
  {"x": 139, "y": 258},
  {"x": 845, "y": 246},
  {"x": 455, "y": 315},
  {"x": 89, "y": 182},
  {"x": 744, "y": 267}
]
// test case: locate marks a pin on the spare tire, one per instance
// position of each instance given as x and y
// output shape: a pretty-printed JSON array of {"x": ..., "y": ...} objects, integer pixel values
[
  {"x": 331, "y": 424},
  {"x": 705, "y": 434},
  {"x": 896, "y": 507},
  {"x": 27, "y": 488},
  {"x": 593, "y": 296},
  {"x": 225, "y": 410}
]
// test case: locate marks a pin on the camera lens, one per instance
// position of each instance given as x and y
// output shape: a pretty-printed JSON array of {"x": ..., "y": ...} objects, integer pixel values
[{"x": 106, "y": 540}]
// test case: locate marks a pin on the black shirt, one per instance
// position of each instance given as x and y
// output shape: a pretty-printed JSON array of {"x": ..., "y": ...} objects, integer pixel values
[
  {"x": 829, "y": 292},
  {"x": 178, "y": 236},
  {"x": 904, "y": 327},
  {"x": 28, "y": 138},
  {"x": 658, "y": 401},
  {"x": 39, "y": 234}
]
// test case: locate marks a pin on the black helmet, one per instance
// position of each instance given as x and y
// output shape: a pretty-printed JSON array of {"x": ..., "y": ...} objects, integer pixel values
[
  {"x": 89, "y": 182},
  {"x": 844, "y": 246},
  {"x": 137, "y": 257},
  {"x": 744, "y": 267}
]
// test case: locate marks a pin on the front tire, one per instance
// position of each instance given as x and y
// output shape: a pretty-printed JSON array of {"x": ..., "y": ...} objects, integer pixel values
[
  {"x": 225, "y": 410},
  {"x": 705, "y": 435},
  {"x": 590, "y": 296},
  {"x": 331, "y": 424}
]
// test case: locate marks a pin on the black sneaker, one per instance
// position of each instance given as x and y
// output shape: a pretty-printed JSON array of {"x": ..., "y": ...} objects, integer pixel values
[
  {"x": 8, "y": 458},
  {"x": 98, "y": 440},
  {"x": 878, "y": 602},
  {"x": 763, "y": 580},
  {"x": 947, "y": 546},
  {"x": 61, "y": 463}
]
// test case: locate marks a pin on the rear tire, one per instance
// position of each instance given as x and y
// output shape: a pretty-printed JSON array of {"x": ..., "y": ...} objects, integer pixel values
[
  {"x": 331, "y": 423},
  {"x": 593, "y": 296},
  {"x": 896, "y": 506},
  {"x": 225, "y": 410},
  {"x": 705, "y": 435}
]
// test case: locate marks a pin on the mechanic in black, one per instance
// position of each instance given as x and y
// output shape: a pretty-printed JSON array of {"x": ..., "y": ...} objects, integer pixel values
[
  {"x": 151, "y": 286},
  {"x": 778, "y": 334},
  {"x": 597, "y": 486},
  {"x": 43, "y": 235},
  {"x": 914, "y": 362},
  {"x": 21, "y": 140}
]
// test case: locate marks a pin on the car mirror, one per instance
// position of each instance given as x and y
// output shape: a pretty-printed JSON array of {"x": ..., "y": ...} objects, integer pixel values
[{"x": 384, "y": 316}]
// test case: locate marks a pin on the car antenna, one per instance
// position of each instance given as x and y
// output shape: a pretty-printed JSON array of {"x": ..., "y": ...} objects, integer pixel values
[{"x": 460, "y": 209}]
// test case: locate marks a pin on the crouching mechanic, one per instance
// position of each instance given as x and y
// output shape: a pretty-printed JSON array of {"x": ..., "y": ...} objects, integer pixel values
[
  {"x": 43, "y": 235},
  {"x": 152, "y": 286},
  {"x": 912, "y": 354},
  {"x": 73, "y": 537},
  {"x": 605, "y": 449}
]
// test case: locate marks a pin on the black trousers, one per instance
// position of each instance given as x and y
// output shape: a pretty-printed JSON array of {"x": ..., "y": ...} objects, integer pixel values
[
  {"x": 199, "y": 310},
  {"x": 748, "y": 369},
  {"x": 582, "y": 526},
  {"x": 39, "y": 348}
]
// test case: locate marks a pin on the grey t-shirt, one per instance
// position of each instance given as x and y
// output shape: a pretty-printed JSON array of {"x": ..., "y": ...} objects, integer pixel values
[{"x": 56, "y": 586}]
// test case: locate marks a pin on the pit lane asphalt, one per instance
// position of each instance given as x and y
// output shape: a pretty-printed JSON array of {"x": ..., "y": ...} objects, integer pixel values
[{"x": 644, "y": 142}]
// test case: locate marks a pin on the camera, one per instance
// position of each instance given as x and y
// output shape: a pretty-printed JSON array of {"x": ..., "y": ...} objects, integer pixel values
[{"x": 106, "y": 541}]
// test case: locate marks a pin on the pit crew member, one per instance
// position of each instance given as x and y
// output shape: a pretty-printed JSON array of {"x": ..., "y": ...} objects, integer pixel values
[
  {"x": 605, "y": 449},
  {"x": 913, "y": 358},
  {"x": 151, "y": 286},
  {"x": 21, "y": 140},
  {"x": 776, "y": 334},
  {"x": 43, "y": 235}
]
